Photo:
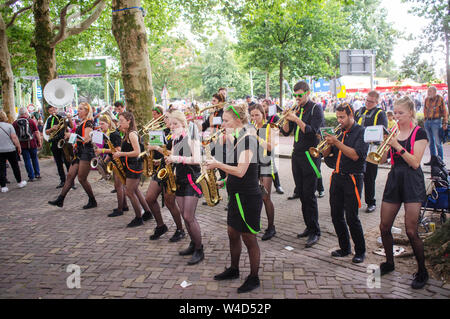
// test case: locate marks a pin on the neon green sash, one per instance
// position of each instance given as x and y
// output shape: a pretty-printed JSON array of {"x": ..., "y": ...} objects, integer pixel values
[
  {"x": 298, "y": 127},
  {"x": 313, "y": 165},
  {"x": 238, "y": 200}
]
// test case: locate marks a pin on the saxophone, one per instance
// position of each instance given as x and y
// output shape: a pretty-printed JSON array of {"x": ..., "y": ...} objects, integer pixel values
[
  {"x": 166, "y": 174},
  {"x": 148, "y": 164},
  {"x": 208, "y": 179},
  {"x": 115, "y": 165}
]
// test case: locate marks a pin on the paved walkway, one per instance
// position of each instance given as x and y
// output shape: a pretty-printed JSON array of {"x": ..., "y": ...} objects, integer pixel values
[{"x": 39, "y": 241}]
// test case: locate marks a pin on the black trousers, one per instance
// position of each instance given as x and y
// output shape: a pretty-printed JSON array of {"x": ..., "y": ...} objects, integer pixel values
[
  {"x": 320, "y": 187},
  {"x": 344, "y": 211},
  {"x": 11, "y": 157},
  {"x": 306, "y": 184},
  {"x": 370, "y": 177},
  {"x": 60, "y": 160}
]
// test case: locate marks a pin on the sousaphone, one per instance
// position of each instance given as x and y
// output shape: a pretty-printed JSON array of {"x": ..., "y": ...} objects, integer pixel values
[{"x": 58, "y": 93}]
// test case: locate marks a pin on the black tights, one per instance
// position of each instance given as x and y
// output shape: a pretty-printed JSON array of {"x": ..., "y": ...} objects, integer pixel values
[
  {"x": 80, "y": 169},
  {"x": 121, "y": 198},
  {"x": 136, "y": 197},
  {"x": 268, "y": 204},
  {"x": 151, "y": 197},
  {"x": 188, "y": 205},
  {"x": 251, "y": 243},
  {"x": 412, "y": 211}
]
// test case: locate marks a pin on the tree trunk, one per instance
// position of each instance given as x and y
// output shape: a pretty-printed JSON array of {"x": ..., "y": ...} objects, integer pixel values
[
  {"x": 45, "y": 54},
  {"x": 281, "y": 84},
  {"x": 6, "y": 74},
  {"x": 128, "y": 29},
  {"x": 267, "y": 85}
]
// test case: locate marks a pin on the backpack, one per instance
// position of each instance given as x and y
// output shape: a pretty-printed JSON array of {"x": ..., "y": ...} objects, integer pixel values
[{"x": 24, "y": 133}]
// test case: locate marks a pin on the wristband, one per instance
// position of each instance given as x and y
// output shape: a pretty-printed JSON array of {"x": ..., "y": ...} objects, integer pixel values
[
  {"x": 224, "y": 183},
  {"x": 403, "y": 151}
]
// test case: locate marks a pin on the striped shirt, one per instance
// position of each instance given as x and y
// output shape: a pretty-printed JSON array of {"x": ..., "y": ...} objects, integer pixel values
[{"x": 435, "y": 108}]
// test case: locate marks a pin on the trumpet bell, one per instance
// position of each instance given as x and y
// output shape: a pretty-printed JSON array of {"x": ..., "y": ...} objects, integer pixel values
[
  {"x": 61, "y": 143},
  {"x": 374, "y": 158},
  {"x": 94, "y": 162},
  {"x": 314, "y": 152},
  {"x": 59, "y": 93}
]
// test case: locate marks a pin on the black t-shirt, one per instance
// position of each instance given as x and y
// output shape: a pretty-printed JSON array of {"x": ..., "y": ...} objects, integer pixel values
[
  {"x": 272, "y": 118},
  {"x": 80, "y": 131},
  {"x": 205, "y": 124},
  {"x": 115, "y": 139},
  {"x": 367, "y": 118},
  {"x": 181, "y": 147},
  {"x": 52, "y": 121},
  {"x": 398, "y": 160},
  {"x": 314, "y": 119},
  {"x": 354, "y": 138},
  {"x": 249, "y": 183}
]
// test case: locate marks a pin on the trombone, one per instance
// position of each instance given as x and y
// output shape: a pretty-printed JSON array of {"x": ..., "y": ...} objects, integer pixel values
[
  {"x": 323, "y": 145},
  {"x": 375, "y": 157},
  {"x": 216, "y": 107}
]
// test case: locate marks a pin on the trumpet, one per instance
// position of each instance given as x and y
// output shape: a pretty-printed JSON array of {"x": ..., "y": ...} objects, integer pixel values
[
  {"x": 280, "y": 123},
  {"x": 213, "y": 137},
  {"x": 375, "y": 157},
  {"x": 216, "y": 107},
  {"x": 323, "y": 145}
]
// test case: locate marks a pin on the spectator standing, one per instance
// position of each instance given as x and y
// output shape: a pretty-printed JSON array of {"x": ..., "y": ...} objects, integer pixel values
[
  {"x": 30, "y": 140},
  {"x": 9, "y": 150}
]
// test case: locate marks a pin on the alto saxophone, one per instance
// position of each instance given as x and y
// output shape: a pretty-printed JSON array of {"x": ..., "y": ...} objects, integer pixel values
[
  {"x": 115, "y": 165},
  {"x": 208, "y": 179},
  {"x": 148, "y": 164},
  {"x": 166, "y": 174}
]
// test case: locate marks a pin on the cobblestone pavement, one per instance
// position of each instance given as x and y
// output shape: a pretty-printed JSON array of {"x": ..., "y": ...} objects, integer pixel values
[{"x": 39, "y": 241}]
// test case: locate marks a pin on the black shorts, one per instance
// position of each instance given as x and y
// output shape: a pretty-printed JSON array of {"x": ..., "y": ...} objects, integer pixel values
[
  {"x": 83, "y": 155},
  {"x": 133, "y": 170},
  {"x": 405, "y": 185},
  {"x": 186, "y": 189},
  {"x": 251, "y": 207}
]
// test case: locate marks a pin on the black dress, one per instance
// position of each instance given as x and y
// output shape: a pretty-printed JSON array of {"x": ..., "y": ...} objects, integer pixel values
[
  {"x": 245, "y": 198},
  {"x": 186, "y": 174},
  {"x": 132, "y": 165},
  {"x": 83, "y": 151},
  {"x": 405, "y": 184}
]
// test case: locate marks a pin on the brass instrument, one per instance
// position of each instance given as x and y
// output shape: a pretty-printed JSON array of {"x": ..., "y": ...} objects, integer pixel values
[
  {"x": 166, "y": 174},
  {"x": 216, "y": 107},
  {"x": 208, "y": 179},
  {"x": 115, "y": 165},
  {"x": 100, "y": 164},
  {"x": 323, "y": 145},
  {"x": 149, "y": 168},
  {"x": 375, "y": 157},
  {"x": 280, "y": 123},
  {"x": 65, "y": 146},
  {"x": 154, "y": 125}
]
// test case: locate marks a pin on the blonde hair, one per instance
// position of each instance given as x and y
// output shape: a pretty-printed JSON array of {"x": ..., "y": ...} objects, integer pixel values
[
  {"x": 178, "y": 115},
  {"x": 241, "y": 112},
  {"x": 3, "y": 117},
  {"x": 107, "y": 119},
  {"x": 409, "y": 103},
  {"x": 89, "y": 107}
]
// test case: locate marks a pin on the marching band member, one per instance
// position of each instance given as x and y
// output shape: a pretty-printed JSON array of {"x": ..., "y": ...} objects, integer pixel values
[
  {"x": 58, "y": 154},
  {"x": 156, "y": 187},
  {"x": 128, "y": 154},
  {"x": 265, "y": 136},
  {"x": 245, "y": 199},
  {"x": 273, "y": 119},
  {"x": 108, "y": 128},
  {"x": 305, "y": 123},
  {"x": 405, "y": 184},
  {"x": 369, "y": 115},
  {"x": 84, "y": 152},
  {"x": 348, "y": 161},
  {"x": 185, "y": 156}
]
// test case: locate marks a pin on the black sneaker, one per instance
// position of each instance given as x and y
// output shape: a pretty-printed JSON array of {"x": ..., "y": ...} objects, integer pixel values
[
  {"x": 116, "y": 213},
  {"x": 229, "y": 273},
  {"x": 159, "y": 231},
  {"x": 386, "y": 268},
  {"x": 177, "y": 236},
  {"x": 420, "y": 279},
  {"x": 136, "y": 222},
  {"x": 270, "y": 232},
  {"x": 339, "y": 253},
  {"x": 147, "y": 216},
  {"x": 113, "y": 191},
  {"x": 252, "y": 282},
  {"x": 125, "y": 209}
]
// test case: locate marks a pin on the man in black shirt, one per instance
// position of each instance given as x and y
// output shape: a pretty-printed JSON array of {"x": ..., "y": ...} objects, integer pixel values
[
  {"x": 371, "y": 115},
  {"x": 305, "y": 123},
  {"x": 58, "y": 154},
  {"x": 347, "y": 156}
]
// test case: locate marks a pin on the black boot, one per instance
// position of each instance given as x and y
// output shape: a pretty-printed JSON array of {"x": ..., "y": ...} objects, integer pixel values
[
  {"x": 197, "y": 257},
  {"x": 57, "y": 202},
  {"x": 91, "y": 203},
  {"x": 189, "y": 250}
]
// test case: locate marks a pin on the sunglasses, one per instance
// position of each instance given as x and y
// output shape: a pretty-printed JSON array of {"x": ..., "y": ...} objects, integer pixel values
[{"x": 300, "y": 94}]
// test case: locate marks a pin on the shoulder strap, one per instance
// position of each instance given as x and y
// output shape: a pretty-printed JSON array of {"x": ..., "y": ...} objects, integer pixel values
[
  {"x": 413, "y": 138},
  {"x": 376, "y": 117}
]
